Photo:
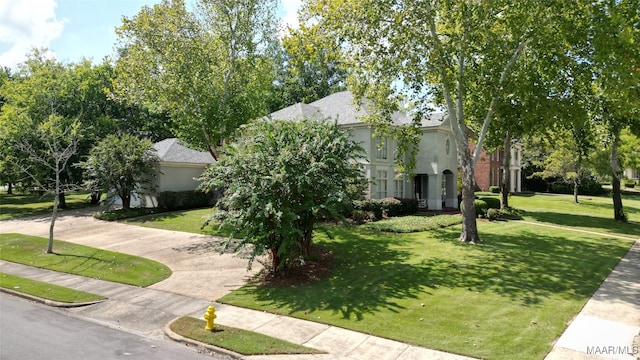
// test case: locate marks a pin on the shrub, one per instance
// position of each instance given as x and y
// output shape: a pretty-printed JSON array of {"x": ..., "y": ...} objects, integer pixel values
[
  {"x": 481, "y": 207},
  {"x": 494, "y": 189},
  {"x": 493, "y": 214},
  {"x": 492, "y": 202},
  {"x": 409, "y": 206},
  {"x": 630, "y": 184},
  {"x": 391, "y": 206},
  {"x": 588, "y": 186},
  {"x": 176, "y": 200}
]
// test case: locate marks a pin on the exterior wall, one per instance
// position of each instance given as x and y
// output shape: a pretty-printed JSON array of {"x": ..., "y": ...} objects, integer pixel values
[
  {"x": 631, "y": 174},
  {"x": 436, "y": 162},
  {"x": 173, "y": 177},
  {"x": 488, "y": 170}
]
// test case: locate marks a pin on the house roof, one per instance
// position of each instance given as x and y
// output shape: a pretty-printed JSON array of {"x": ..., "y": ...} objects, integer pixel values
[
  {"x": 170, "y": 150},
  {"x": 341, "y": 107}
]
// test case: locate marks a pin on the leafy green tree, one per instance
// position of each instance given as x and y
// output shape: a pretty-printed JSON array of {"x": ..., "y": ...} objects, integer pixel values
[
  {"x": 121, "y": 165},
  {"x": 208, "y": 69},
  {"x": 629, "y": 150},
  {"x": 280, "y": 178},
  {"x": 311, "y": 68},
  {"x": 455, "y": 54},
  {"x": 611, "y": 49}
]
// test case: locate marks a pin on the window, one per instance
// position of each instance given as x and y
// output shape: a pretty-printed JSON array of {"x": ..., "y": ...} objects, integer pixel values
[
  {"x": 381, "y": 183},
  {"x": 381, "y": 146},
  {"x": 399, "y": 188}
]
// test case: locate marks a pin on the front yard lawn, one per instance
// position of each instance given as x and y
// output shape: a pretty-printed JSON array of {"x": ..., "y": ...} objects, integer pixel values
[
  {"x": 82, "y": 260},
  {"x": 19, "y": 205},
  {"x": 508, "y": 298}
]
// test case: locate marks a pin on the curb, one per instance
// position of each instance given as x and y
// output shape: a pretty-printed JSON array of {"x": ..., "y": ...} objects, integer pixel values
[
  {"x": 179, "y": 338},
  {"x": 47, "y": 301}
]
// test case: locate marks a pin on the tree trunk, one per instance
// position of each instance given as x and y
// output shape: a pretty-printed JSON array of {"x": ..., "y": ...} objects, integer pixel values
[
  {"x": 469, "y": 226},
  {"x": 95, "y": 197},
  {"x": 126, "y": 202},
  {"x": 275, "y": 259},
  {"x": 62, "y": 200},
  {"x": 506, "y": 175},
  {"x": 9, "y": 189},
  {"x": 576, "y": 185},
  {"x": 616, "y": 174}
]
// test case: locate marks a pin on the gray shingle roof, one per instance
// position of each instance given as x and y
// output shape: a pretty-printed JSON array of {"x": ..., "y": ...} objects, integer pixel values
[
  {"x": 170, "y": 150},
  {"x": 341, "y": 107}
]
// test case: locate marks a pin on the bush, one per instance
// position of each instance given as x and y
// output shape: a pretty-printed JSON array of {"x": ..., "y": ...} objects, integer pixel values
[
  {"x": 480, "y": 205},
  {"x": 493, "y": 214},
  {"x": 630, "y": 184},
  {"x": 387, "y": 207},
  {"x": 178, "y": 200},
  {"x": 588, "y": 186},
  {"x": 492, "y": 202},
  {"x": 494, "y": 189}
]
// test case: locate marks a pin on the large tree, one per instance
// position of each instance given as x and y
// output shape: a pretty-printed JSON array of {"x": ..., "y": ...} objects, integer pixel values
[
  {"x": 207, "y": 68},
  {"x": 280, "y": 178},
  {"x": 454, "y": 54},
  {"x": 121, "y": 165}
]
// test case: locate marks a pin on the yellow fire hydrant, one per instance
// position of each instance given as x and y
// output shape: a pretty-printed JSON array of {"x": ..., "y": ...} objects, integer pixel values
[{"x": 209, "y": 316}]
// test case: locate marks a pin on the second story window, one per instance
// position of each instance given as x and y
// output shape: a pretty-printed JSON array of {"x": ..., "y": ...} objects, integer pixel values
[{"x": 382, "y": 144}]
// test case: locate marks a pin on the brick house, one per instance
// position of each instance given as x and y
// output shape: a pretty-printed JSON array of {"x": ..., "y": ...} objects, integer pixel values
[{"x": 488, "y": 170}]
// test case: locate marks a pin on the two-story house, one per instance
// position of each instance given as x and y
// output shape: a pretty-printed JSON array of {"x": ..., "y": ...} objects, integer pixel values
[{"x": 435, "y": 179}]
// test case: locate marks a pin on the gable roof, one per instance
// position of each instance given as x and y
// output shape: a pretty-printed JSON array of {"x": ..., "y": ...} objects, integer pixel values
[
  {"x": 170, "y": 150},
  {"x": 341, "y": 107}
]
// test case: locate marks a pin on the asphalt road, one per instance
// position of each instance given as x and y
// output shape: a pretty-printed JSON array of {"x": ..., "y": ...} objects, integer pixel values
[{"x": 31, "y": 331}]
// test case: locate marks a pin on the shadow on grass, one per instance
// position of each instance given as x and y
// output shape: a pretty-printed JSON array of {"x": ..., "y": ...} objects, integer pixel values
[
  {"x": 585, "y": 221},
  {"x": 379, "y": 272},
  {"x": 529, "y": 267}
]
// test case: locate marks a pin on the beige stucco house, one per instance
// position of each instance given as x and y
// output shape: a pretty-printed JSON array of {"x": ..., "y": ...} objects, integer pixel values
[
  {"x": 176, "y": 171},
  {"x": 435, "y": 179}
]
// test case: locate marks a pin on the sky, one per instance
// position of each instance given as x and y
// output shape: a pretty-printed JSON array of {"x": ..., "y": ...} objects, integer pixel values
[{"x": 73, "y": 29}]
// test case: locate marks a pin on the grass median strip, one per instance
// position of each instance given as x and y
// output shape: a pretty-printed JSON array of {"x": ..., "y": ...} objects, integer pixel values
[
  {"x": 45, "y": 290},
  {"x": 237, "y": 340},
  {"x": 82, "y": 260}
]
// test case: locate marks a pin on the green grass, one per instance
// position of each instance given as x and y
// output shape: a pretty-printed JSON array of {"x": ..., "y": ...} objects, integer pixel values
[
  {"x": 510, "y": 297},
  {"x": 82, "y": 260},
  {"x": 415, "y": 223},
  {"x": 184, "y": 220},
  {"x": 593, "y": 213},
  {"x": 45, "y": 290},
  {"x": 16, "y": 206},
  {"x": 237, "y": 340}
]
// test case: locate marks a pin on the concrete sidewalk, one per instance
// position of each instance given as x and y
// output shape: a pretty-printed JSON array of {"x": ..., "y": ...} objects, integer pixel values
[{"x": 604, "y": 329}]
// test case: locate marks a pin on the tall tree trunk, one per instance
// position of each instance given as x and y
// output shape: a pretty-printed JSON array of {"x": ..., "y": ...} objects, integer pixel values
[
  {"x": 616, "y": 174},
  {"x": 62, "y": 200},
  {"x": 469, "y": 226},
  {"x": 576, "y": 185},
  {"x": 9, "y": 188},
  {"x": 126, "y": 202},
  {"x": 506, "y": 175},
  {"x": 54, "y": 213}
]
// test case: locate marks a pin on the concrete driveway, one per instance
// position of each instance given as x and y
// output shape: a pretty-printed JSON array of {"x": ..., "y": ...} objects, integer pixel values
[{"x": 198, "y": 272}]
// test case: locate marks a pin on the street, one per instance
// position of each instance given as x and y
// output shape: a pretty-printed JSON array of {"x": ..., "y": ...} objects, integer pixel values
[{"x": 31, "y": 331}]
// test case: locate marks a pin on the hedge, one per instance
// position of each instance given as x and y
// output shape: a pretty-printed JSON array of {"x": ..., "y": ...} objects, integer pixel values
[{"x": 179, "y": 200}]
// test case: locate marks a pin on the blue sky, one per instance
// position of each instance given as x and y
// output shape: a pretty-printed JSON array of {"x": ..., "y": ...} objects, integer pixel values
[{"x": 73, "y": 29}]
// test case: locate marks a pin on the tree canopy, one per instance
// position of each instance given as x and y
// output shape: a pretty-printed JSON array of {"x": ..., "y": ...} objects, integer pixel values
[
  {"x": 279, "y": 179},
  {"x": 207, "y": 68},
  {"x": 121, "y": 165}
]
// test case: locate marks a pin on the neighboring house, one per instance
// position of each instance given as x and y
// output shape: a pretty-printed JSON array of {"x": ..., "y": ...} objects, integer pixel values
[
  {"x": 632, "y": 174},
  {"x": 435, "y": 180},
  {"x": 489, "y": 168},
  {"x": 177, "y": 170}
]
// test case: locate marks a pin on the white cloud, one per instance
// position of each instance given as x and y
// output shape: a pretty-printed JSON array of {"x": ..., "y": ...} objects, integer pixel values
[
  {"x": 290, "y": 17},
  {"x": 25, "y": 24}
]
